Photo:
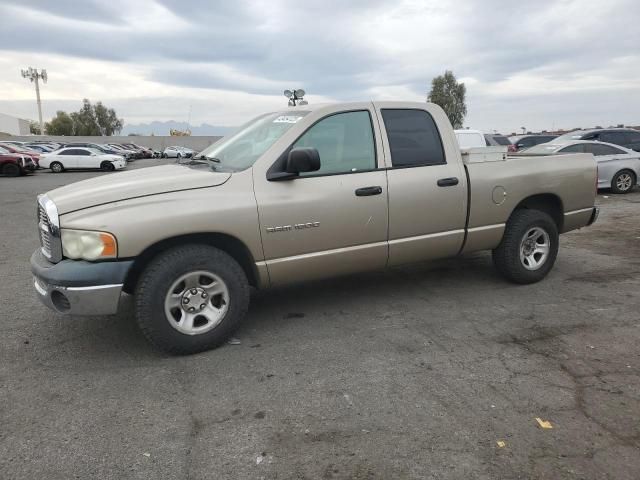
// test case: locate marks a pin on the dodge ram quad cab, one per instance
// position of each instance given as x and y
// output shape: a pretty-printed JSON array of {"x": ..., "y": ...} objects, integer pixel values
[{"x": 296, "y": 195}]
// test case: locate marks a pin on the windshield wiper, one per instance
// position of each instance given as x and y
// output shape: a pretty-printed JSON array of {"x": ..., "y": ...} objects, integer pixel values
[{"x": 204, "y": 157}]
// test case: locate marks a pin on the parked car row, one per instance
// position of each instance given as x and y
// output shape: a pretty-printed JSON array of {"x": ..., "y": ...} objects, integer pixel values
[
  {"x": 616, "y": 150},
  {"x": 20, "y": 158}
]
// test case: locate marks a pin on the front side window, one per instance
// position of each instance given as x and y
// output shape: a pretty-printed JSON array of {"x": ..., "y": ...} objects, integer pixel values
[
  {"x": 344, "y": 141},
  {"x": 413, "y": 138}
]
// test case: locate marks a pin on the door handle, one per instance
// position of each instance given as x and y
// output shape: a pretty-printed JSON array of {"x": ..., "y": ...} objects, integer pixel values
[
  {"x": 447, "y": 182},
  {"x": 368, "y": 191}
]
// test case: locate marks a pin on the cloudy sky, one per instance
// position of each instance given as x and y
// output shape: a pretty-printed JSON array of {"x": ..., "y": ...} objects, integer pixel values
[{"x": 544, "y": 64}]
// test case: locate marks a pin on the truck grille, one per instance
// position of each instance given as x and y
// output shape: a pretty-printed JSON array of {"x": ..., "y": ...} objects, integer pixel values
[
  {"x": 50, "y": 244},
  {"x": 45, "y": 232}
]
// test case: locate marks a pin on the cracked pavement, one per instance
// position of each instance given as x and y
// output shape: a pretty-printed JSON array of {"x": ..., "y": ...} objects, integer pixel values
[{"x": 412, "y": 373}]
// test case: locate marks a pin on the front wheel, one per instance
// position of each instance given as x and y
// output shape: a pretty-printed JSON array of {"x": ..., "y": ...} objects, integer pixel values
[
  {"x": 107, "y": 167},
  {"x": 11, "y": 170},
  {"x": 190, "y": 299},
  {"x": 623, "y": 181},
  {"x": 529, "y": 247}
]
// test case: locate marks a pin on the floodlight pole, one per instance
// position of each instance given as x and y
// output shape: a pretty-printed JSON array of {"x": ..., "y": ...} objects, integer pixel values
[{"x": 34, "y": 75}]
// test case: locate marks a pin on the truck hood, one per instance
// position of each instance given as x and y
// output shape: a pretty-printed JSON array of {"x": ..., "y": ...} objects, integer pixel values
[{"x": 135, "y": 183}]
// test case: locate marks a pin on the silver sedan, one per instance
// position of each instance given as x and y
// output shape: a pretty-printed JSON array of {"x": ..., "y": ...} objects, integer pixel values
[{"x": 618, "y": 167}]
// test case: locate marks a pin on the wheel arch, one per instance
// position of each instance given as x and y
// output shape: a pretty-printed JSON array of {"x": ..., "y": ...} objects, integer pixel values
[
  {"x": 227, "y": 243},
  {"x": 548, "y": 203}
]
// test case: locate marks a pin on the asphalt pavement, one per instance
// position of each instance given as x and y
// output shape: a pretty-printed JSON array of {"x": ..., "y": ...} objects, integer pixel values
[{"x": 440, "y": 370}]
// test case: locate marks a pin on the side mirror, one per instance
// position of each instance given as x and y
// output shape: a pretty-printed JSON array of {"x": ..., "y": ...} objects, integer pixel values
[{"x": 303, "y": 160}]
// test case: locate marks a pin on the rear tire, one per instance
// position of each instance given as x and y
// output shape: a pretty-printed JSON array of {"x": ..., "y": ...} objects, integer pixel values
[
  {"x": 180, "y": 279},
  {"x": 529, "y": 247},
  {"x": 623, "y": 182},
  {"x": 107, "y": 167},
  {"x": 56, "y": 167},
  {"x": 11, "y": 170}
]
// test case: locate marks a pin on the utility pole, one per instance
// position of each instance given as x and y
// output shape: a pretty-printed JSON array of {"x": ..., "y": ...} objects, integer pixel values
[{"x": 34, "y": 75}]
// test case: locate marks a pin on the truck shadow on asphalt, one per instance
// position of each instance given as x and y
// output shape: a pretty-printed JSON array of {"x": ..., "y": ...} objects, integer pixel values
[{"x": 278, "y": 308}]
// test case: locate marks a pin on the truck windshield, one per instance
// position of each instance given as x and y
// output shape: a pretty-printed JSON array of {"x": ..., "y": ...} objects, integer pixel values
[{"x": 240, "y": 150}]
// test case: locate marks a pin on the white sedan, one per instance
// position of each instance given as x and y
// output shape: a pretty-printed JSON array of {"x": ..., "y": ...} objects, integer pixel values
[
  {"x": 177, "y": 152},
  {"x": 81, "y": 158},
  {"x": 618, "y": 167}
]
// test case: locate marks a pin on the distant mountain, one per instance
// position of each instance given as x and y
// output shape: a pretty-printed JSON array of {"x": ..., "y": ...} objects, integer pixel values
[{"x": 162, "y": 128}]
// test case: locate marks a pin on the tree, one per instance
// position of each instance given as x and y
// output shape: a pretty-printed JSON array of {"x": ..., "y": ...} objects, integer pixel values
[
  {"x": 61, "y": 124},
  {"x": 90, "y": 120},
  {"x": 107, "y": 120},
  {"x": 34, "y": 128},
  {"x": 450, "y": 95}
]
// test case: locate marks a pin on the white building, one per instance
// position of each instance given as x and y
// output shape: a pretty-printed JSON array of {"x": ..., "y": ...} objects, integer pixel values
[{"x": 13, "y": 125}]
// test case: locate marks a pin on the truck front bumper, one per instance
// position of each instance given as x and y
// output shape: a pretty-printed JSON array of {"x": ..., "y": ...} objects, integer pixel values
[{"x": 77, "y": 287}]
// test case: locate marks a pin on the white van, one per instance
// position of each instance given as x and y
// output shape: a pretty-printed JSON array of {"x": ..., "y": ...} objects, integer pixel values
[{"x": 470, "y": 138}]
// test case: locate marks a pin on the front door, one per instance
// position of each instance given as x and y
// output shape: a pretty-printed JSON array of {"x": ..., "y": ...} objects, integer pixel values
[
  {"x": 332, "y": 221},
  {"x": 427, "y": 184}
]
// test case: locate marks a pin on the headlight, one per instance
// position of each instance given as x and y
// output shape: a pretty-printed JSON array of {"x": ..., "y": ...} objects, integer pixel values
[{"x": 87, "y": 245}]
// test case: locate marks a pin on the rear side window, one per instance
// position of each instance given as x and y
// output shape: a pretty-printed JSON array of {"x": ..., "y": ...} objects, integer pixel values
[
  {"x": 602, "y": 150},
  {"x": 413, "y": 138},
  {"x": 633, "y": 136},
  {"x": 577, "y": 148},
  {"x": 500, "y": 140},
  {"x": 619, "y": 138},
  {"x": 71, "y": 151},
  {"x": 344, "y": 141}
]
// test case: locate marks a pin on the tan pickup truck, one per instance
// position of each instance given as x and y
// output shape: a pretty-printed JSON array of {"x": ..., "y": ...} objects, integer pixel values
[{"x": 307, "y": 193}]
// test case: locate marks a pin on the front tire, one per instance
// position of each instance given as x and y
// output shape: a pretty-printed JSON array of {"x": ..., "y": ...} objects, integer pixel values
[
  {"x": 11, "y": 170},
  {"x": 56, "y": 167},
  {"x": 529, "y": 247},
  {"x": 623, "y": 181},
  {"x": 107, "y": 167},
  {"x": 190, "y": 299}
]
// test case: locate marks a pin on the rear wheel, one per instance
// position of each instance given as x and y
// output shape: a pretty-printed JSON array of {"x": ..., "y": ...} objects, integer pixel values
[
  {"x": 529, "y": 247},
  {"x": 56, "y": 167},
  {"x": 191, "y": 299},
  {"x": 623, "y": 181},
  {"x": 11, "y": 170},
  {"x": 107, "y": 167}
]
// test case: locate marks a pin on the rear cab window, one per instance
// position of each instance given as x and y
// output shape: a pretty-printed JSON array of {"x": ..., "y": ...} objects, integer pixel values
[{"x": 414, "y": 139}]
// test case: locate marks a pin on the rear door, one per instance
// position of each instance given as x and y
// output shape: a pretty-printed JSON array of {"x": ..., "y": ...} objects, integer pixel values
[{"x": 427, "y": 190}]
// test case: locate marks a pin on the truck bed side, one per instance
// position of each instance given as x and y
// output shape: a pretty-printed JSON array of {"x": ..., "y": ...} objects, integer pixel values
[{"x": 498, "y": 188}]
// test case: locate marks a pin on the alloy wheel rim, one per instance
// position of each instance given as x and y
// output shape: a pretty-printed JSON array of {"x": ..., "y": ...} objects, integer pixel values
[
  {"x": 624, "y": 182},
  {"x": 196, "y": 302},
  {"x": 534, "y": 248}
]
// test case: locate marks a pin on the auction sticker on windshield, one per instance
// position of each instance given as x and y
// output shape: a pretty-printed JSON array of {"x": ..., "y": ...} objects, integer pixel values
[{"x": 287, "y": 119}]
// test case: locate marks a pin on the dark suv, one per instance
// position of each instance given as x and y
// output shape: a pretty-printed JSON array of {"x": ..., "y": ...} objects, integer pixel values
[
  {"x": 526, "y": 141},
  {"x": 625, "y": 137}
]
